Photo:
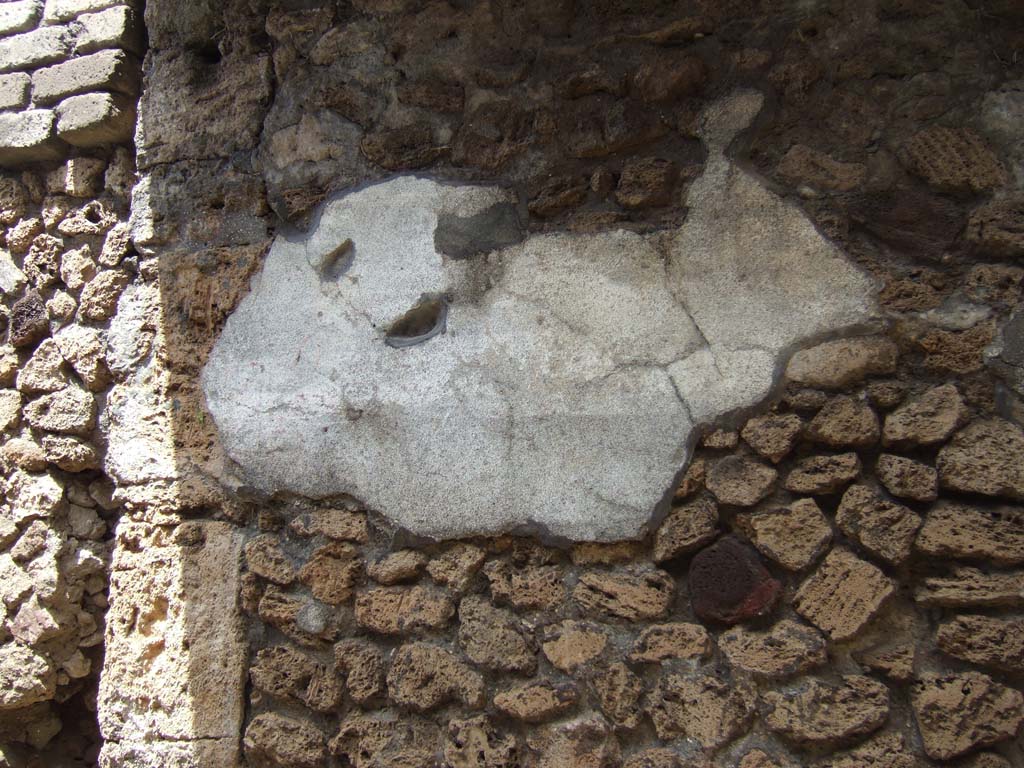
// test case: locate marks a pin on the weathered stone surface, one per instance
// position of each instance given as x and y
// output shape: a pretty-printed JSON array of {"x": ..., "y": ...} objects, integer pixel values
[
  {"x": 282, "y": 671},
  {"x": 14, "y": 89},
  {"x": 773, "y": 436},
  {"x": 364, "y": 666},
  {"x": 457, "y": 566},
  {"x": 702, "y": 706},
  {"x": 27, "y": 137},
  {"x": 794, "y": 536},
  {"x": 332, "y": 572},
  {"x": 804, "y": 165},
  {"x": 100, "y": 295},
  {"x": 586, "y": 741},
  {"x": 71, "y": 410},
  {"x": 740, "y": 481},
  {"x": 618, "y": 691},
  {"x": 845, "y": 422},
  {"x": 971, "y": 588},
  {"x": 264, "y": 557},
  {"x": 536, "y": 701},
  {"x": 573, "y": 644},
  {"x": 926, "y": 420},
  {"x": 822, "y": 475},
  {"x": 820, "y": 713},
  {"x": 494, "y": 638},
  {"x": 843, "y": 594},
  {"x": 381, "y": 738},
  {"x": 19, "y": 16},
  {"x": 395, "y": 610},
  {"x": 32, "y": 49},
  {"x": 993, "y": 535},
  {"x": 339, "y": 524},
  {"x": 958, "y": 713},
  {"x": 25, "y": 676},
  {"x": 677, "y": 640},
  {"x": 396, "y": 567},
  {"x": 656, "y": 757},
  {"x": 984, "y": 640},
  {"x": 424, "y": 676},
  {"x": 275, "y": 740},
  {"x": 728, "y": 583},
  {"x": 114, "y": 71},
  {"x": 888, "y": 750},
  {"x": 43, "y": 371},
  {"x": 784, "y": 650},
  {"x": 953, "y": 160},
  {"x": 72, "y": 454},
  {"x": 985, "y": 457},
  {"x": 721, "y": 439},
  {"x": 994, "y": 228},
  {"x": 636, "y": 595},
  {"x": 476, "y": 743},
  {"x": 32, "y": 495},
  {"x": 116, "y": 27},
  {"x": 530, "y": 587},
  {"x": 29, "y": 322},
  {"x": 842, "y": 363},
  {"x": 95, "y": 119},
  {"x": 646, "y": 182},
  {"x": 470, "y": 486},
  {"x": 906, "y": 478},
  {"x": 882, "y": 528},
  {"x": 895, "y": 661},
  {"x": 686, "y": 529}
]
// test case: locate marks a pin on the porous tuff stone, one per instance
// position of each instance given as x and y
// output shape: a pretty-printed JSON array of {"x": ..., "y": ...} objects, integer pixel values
[
  {"x": 953, "y": 160},
  {"x": 585, "y": 741},
  {"x": 822, "y": 475},
  {"x": 701, "y": 705},
  {"x": 537, "y": 700},
  {"x": 740, "y": 481},
  {"x": 634, "y": 595},
  {"x": 110, "y": 70},
  {"x": 95, "y": 119},
  {"x": 677, "y": 640},
  {"x": 888, "y": 750},
  {"x": 958, "y": 713},
  {"x": 843, "y": 594},
  {"x": 477, "y": 743},
  {"x": 515, "y": 440},
  {"x": 926, "y": 420},
  {"x": 971, "y": 588},
  {"x": 729, "y": 584},
  {"x": 794, "y": 536},
  {"x": 842, "y": 363},
  {"x": 906, "y": 478},
  {"x": 804, "y": 165},
  {"x": 984, "y": 640},
  {"x": 961, "y": 532},
  {"x": 394, "y": 610},
  {"x": 985, "y": 457},
  {"x": 995, "y": 227},
  {"x": 686, "y": 529},
  {"x": 275, "y": 740},
  {"x": 572, "y": 644},
  {"x": 786, "y": 649},
  {"x": 845, "y": 422},
  {"x": 28, "y": 137},
  {"x": 494, "y": 638},
  {"x": 773, "y": 436},
  {"x": 363, "y": 665},
  {"x": 424, "y": 676},
  {"x": 820, "y": 713},
  {"x": 882, "y": 528}
]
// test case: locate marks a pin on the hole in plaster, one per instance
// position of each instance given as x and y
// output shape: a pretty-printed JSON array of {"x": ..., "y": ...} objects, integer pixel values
[
  {"x": 421, "y": 323},
  {"x": 337, "y": 262}
]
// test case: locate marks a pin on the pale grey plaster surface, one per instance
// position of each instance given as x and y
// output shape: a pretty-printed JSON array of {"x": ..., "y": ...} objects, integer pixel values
[{"x": 572, "y": 370}]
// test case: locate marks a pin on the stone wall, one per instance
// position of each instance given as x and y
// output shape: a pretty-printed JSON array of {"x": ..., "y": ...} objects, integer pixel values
[{"x": 822, "y": 559}]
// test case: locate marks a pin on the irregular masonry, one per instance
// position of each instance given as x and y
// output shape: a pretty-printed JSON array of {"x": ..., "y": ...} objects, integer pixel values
[{"x": 552, "y": 383}]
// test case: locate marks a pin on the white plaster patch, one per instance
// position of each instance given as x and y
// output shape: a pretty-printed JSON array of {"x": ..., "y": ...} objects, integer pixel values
[{"x": 572, "y": 368}]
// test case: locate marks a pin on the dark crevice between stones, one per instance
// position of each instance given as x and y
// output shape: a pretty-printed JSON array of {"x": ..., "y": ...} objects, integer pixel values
[
  {"x": 423, "y": 322},
  {"x": 462, "y": 237}
]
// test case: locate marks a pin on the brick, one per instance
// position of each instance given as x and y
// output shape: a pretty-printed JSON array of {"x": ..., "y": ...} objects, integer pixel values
[
  {"x": 14, "y": 90},
  {"x": 96, "y": 118},
  {"x": 57, "y": 11},
  {"x": 35, "y": 48},
  {"x": 116, "y": 27},
  {"x": 27, "y": 137},
  {"x": 19, "y": 16},
  {"x": 104, "y": 71}
]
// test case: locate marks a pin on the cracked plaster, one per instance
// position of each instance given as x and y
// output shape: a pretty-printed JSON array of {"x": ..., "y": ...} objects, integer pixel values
[{"x": 573, "y": 371}]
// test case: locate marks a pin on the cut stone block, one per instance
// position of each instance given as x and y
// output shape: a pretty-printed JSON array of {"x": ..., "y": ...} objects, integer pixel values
[
  {"x": 19, "y": 16},
  {"x": 96, "y": 118},
  {"x": 14, "y": 90},
  {"x": 104, "y": 71},
  {"x": 27, "y": 137},
  {"x": 35, "y": 48},
  {"x": 116, "y": 27},
  {"x": 57, "y": 11}
]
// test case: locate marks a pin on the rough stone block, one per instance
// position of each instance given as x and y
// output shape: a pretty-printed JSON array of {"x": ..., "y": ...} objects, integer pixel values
[
  {"x": 57, "y": 11},
  {"x": 116, "y": 27},
  {"x": 14, "y": 90},
  {"x": 95, "y": 118},
  {"x": 32, "y": 49},
  {"x": 104, "y": 71},
  {"x": 19, "y": 16},
  {"x": 27, "y": 137}
]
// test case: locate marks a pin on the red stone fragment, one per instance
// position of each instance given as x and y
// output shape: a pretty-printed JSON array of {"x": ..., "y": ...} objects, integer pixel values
[{"x": 729, "y": 583}]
